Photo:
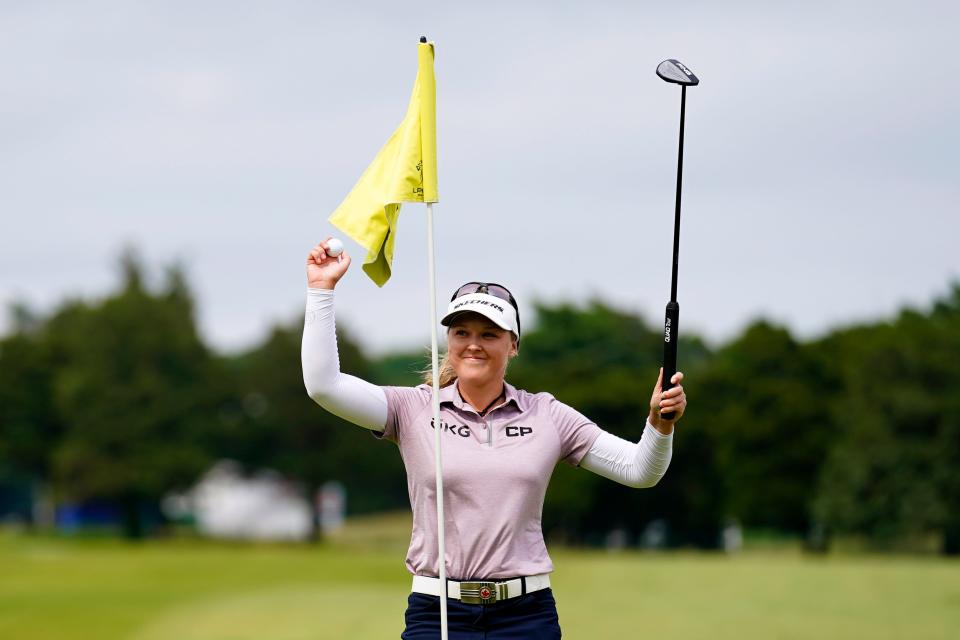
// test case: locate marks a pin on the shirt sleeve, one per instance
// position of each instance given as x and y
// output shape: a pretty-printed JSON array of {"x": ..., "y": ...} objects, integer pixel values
[
  {"x": 402, "y": 404},
  {"x": 577, "y": 432}
]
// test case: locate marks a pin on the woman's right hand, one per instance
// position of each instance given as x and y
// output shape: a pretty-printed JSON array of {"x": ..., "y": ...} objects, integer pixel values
[{"x": 323, "y": 271}]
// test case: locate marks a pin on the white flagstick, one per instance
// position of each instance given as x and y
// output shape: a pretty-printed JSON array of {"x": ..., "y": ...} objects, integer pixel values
[{"x": 441, "y": 552}]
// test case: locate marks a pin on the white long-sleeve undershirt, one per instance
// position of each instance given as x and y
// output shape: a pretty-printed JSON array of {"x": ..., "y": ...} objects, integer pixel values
[{"x": 639, "y": 464}]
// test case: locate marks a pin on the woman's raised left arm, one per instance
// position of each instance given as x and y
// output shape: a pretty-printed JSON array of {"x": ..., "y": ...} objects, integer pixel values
[
  {"x": 641, "y": 464},
  {"x": 635, "y": 464}
]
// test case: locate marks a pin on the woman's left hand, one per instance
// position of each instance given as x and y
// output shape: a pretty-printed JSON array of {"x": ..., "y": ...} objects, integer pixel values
[{"x": 661, "y": 402}]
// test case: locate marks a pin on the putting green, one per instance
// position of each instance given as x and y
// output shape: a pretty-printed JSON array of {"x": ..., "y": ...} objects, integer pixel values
[
  {"x": 283, "y": 614},
  {"x": 356, "y": 587}
]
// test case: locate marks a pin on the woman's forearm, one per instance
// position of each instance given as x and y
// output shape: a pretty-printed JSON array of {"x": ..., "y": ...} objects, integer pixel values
[
  {"x": 638, "y": 465},
  {"x": 346, "y": 396}
]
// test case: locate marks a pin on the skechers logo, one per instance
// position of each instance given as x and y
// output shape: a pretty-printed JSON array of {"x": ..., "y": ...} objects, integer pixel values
[
  {"x": 461, "y": 430},
  {"x": 515, "y": 430},
  {"x": 481, "y": 302}
]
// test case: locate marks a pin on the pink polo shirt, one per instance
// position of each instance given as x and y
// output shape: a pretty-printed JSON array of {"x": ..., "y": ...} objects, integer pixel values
[{"x": 495, "y": 474}]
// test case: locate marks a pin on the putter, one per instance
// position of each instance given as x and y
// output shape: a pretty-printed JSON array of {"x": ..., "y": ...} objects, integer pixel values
[{"x": 676, "y": 72}]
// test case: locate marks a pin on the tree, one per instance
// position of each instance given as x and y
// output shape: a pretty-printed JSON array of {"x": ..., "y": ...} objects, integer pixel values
[
  {"x": 765, "y": 398},
  {"x": 136, "y": 390},
  {"x": 29, "y": 423},
  {"x": 894, "y": 474}
]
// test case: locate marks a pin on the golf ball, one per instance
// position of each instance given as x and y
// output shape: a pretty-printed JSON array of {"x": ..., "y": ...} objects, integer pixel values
[{"x": 334, "y": 247}]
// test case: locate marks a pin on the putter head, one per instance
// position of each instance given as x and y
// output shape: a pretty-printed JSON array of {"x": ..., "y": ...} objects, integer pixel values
[{"x": 676, "y": 72}]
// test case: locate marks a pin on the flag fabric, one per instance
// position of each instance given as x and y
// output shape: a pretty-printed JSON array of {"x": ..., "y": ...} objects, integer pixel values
[{"x": 405, "y": 170}]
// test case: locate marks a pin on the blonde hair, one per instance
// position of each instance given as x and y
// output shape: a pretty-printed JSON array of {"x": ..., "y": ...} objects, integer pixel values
[{"x": 448, "y": 374}]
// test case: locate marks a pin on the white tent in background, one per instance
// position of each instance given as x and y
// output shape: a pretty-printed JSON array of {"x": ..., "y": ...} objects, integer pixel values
[{"x": 225, "y": 504}]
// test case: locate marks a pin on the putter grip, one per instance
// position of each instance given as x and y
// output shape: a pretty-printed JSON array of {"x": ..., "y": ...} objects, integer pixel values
[{"x": 670, "y": 349}]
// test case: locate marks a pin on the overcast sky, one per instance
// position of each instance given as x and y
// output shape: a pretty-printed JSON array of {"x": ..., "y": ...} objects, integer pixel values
[{"x": 820, "y": 173}]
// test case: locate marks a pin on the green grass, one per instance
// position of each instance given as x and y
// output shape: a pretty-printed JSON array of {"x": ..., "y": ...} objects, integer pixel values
[{"x": 356, "y": 585}]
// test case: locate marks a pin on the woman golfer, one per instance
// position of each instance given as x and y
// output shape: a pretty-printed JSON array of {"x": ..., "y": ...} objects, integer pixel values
[{"x": 500, "y": 446}]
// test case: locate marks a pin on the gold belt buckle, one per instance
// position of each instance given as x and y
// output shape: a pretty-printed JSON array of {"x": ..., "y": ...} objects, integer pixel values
[{"x": 478, "y": 592}]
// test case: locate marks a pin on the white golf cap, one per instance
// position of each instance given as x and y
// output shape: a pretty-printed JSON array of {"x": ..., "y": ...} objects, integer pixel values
[{"x": 499, "y": 311}]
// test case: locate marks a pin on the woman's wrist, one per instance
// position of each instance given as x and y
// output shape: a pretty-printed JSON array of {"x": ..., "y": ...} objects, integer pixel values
[
  {"x": 322, "y": 284},
  {"x": 662, "y": 426}
]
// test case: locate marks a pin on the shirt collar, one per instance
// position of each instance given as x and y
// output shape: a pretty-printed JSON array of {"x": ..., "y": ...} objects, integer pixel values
[
  {"x": 450, "y": 394},
  {"x": 514, "y": 397}
]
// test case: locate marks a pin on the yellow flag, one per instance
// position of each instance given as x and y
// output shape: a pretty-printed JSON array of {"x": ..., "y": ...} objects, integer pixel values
[{"x": 405, "y": 170}]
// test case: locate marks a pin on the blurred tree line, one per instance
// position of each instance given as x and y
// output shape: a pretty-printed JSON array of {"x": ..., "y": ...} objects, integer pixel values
[{"x": 854, "y": 434}]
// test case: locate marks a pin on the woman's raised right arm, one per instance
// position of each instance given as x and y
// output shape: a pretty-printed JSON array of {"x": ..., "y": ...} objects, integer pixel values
[{"x": 346, "y": 396}]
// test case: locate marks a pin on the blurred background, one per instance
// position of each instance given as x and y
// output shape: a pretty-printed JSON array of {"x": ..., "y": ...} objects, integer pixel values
[{"x": 166, "y": 168}]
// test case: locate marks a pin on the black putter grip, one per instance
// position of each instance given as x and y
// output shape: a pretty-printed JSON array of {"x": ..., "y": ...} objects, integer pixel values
[{"x": 670, "y": 349}]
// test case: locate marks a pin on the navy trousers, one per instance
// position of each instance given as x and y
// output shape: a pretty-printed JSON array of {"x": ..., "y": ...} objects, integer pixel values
[{"x": 532, "y": 617}]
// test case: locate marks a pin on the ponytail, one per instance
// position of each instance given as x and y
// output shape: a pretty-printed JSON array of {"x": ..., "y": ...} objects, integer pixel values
[{"x": 447, "y": 373}]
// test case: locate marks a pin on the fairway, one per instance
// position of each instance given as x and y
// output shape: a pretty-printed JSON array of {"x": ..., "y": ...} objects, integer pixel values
[{"x": 64, "y": 590}]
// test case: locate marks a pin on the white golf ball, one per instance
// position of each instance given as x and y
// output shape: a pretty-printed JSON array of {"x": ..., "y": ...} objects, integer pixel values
[{"x": 334, "y": 247}]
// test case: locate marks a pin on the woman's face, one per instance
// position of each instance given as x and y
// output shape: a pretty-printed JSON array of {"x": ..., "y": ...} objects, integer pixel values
[{"x": 478, "y": 349}]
